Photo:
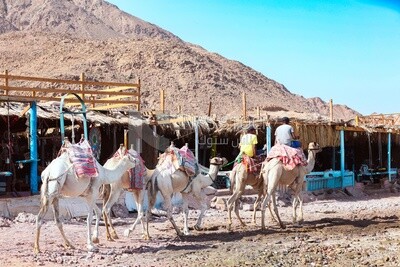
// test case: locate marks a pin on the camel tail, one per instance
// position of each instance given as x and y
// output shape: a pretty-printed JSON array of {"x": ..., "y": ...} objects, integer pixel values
[{"x": 152, "y": 187}]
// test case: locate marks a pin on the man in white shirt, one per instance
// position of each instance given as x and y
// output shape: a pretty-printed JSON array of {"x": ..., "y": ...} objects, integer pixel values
[{"x": 284, "y": 134}]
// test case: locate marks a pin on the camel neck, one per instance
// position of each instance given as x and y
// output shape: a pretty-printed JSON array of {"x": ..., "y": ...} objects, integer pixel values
[
  {"x": 310, "y": 161},
  {"x": 113, "y": 175}
]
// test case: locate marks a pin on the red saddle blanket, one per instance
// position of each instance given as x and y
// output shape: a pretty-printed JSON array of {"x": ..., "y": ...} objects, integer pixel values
[
  {"x": 81, "y": 156},
  {"x": 289, "y": 156},
  {"x": 253, "y": 165},
  {"x": 136, "y": 174}
]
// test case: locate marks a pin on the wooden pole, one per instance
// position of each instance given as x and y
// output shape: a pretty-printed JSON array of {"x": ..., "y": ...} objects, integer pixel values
[
  {"x": 138, "y": 96},
  {"x": 331, "y": 110},
  {"x": 244, "y": 109},
  {"x": 209, "y": 109},
  {"x": 162, "y": 101},
  {"x": 179, "y": 109},
  {"x": 6, "y": 81},
  {"x": 258, "y": 113},
  {"x": 83, "y": 86}
]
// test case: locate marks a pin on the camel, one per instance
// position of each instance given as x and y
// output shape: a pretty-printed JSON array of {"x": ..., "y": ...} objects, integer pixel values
[
  {"x": 111, "y": 193},
  {"x": 59, "y": 179},
  {"x": 239, "y": 179},
  {"x": 274, "y": 174},
  {"x": 179, "y": 181}
]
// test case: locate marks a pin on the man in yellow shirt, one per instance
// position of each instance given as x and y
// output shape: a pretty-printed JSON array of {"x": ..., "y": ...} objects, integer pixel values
[{"x": 248, "y": 142}]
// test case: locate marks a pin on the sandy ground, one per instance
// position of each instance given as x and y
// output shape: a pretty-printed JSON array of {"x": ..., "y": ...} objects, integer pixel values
[{"x": 339, "y": 230}]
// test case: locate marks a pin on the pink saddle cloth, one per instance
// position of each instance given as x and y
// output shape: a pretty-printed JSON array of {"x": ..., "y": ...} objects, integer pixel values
[
  {"x": 289, "y": 156},
  {"x": 136, "y": 174},
  {"x": 173, "y": 159},
  {"x": 81, "y": 156}
]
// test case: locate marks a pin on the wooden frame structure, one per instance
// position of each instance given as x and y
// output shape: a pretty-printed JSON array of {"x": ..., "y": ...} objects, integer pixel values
[{"x": 97, "y": 95}]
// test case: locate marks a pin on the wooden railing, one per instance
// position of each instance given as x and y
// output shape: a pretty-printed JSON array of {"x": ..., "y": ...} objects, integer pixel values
[{"x": 96, "y": 95}]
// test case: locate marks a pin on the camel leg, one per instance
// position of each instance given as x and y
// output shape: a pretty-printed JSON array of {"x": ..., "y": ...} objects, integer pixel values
[
  {"x": 151, "y": 196},
  {"x": 111, "y": 200},
  {"x": 141, "y": 215},
  {"x": 168, "y": 206},
  {"x": 258, "y": 200},
  {"x": 203, "y": 207},
  {"x": 91, "y": 203},
  {"x": 106, "y": 217},
  {"x": 56, "y": 211},
  {"x": 229, "y": 205},
  {"x": 185, "y": 211},
  {"x": 275, "y": 207},
  {"x": 95, "y": 235},
  {"x": 267, "y": 201},
  {"x": 138, "y": 195},
  {"x": 39, "y": 221},
  {"x": 233, "y": 200},
  {"x": 297, "y": 201}
]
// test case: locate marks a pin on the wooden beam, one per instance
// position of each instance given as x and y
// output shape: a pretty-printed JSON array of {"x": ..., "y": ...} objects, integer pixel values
[
  {"x": 25, "y": 110},
  {"x": 53, "y": 80},
  {"x": 66, "y": 91}
]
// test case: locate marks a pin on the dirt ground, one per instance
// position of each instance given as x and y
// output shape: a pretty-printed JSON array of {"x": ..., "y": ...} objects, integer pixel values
[{"x": 339, "y": 230}]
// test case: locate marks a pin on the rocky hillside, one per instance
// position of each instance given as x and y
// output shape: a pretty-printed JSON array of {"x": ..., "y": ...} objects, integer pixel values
[{"x": 52, "y": 38}]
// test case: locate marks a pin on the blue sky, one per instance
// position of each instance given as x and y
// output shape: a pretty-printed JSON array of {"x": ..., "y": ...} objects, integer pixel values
[{"x": 348, "y": 51}]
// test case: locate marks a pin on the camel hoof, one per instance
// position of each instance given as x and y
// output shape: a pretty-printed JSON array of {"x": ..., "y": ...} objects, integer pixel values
[
  {"x": 197, "y": 228},
  {"x": 115, "y": 236},
  {"x": 95, "y": 240},
  {"x": 36, "y": 250},
  {"x": 127, "y": 232},
  {"x": 146, "y": 237},
  {"x": 109, "y": 238},
  {"x": 93, "y": 249}
]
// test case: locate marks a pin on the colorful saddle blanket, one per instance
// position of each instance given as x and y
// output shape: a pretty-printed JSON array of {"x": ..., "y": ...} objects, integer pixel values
[
  {"x": 253, "y": 165},
  {"x": 81, "y": 156},
  {"x": 136, "y": 174},
  {"x": 290, "y": 157},
  {"x": 173, "y": 159}
]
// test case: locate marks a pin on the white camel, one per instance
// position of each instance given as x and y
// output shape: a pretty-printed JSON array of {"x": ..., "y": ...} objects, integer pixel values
[
  {"x": 111, "y": 193},
  {"x": 179, "y": 181},
  {"x": 59, "y": 179},
  {"x": 274, "y": 173}
]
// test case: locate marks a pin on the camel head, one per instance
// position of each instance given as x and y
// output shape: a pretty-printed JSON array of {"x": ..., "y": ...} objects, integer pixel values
[
  {"x": 129, "y": 160},
  {"x": 313, "y": 146},
  {"x": 218, "y": 161},
  {"x": 121, "y": 150}
]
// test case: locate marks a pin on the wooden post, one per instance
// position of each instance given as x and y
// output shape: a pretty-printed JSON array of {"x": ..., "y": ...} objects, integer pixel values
[
  {"x": 331, "y": 110},
  {"x": 138, "y": 97},
  {"x": 82, "y": 86},
  {"x": 209, "y": 109},
  {"x": 258, "y": 113},
  {"x": 6, "y": 82},
  {"x": 244, "y": 109},
  {"x": 162, "y": 100},
  {"x": 356, "y": 121},
  {"x": 179, "y": 109}
]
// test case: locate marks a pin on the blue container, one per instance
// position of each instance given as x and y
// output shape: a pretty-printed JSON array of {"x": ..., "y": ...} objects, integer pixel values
[{"x": 296, "y": 144}]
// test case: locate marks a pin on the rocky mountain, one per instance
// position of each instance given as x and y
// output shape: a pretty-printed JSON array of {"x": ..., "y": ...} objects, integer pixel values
[{"x": 53, "y": 38}]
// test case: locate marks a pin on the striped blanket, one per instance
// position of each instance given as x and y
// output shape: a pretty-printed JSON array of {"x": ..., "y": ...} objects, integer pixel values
[
  {"x": 81, "y": 156},
  {"x": 173, "y": 159},
  {"x": 290, "y": 157},
  {"x": 136, "y": 174}
]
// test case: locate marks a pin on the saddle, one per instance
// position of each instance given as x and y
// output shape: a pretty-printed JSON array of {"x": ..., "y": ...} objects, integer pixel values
[
  {"x": 178, "y": 159},
  {"x": 136, "y": 174},
  {"x": 289, "y": 156},
  {"x": 81, "y": 156}
]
